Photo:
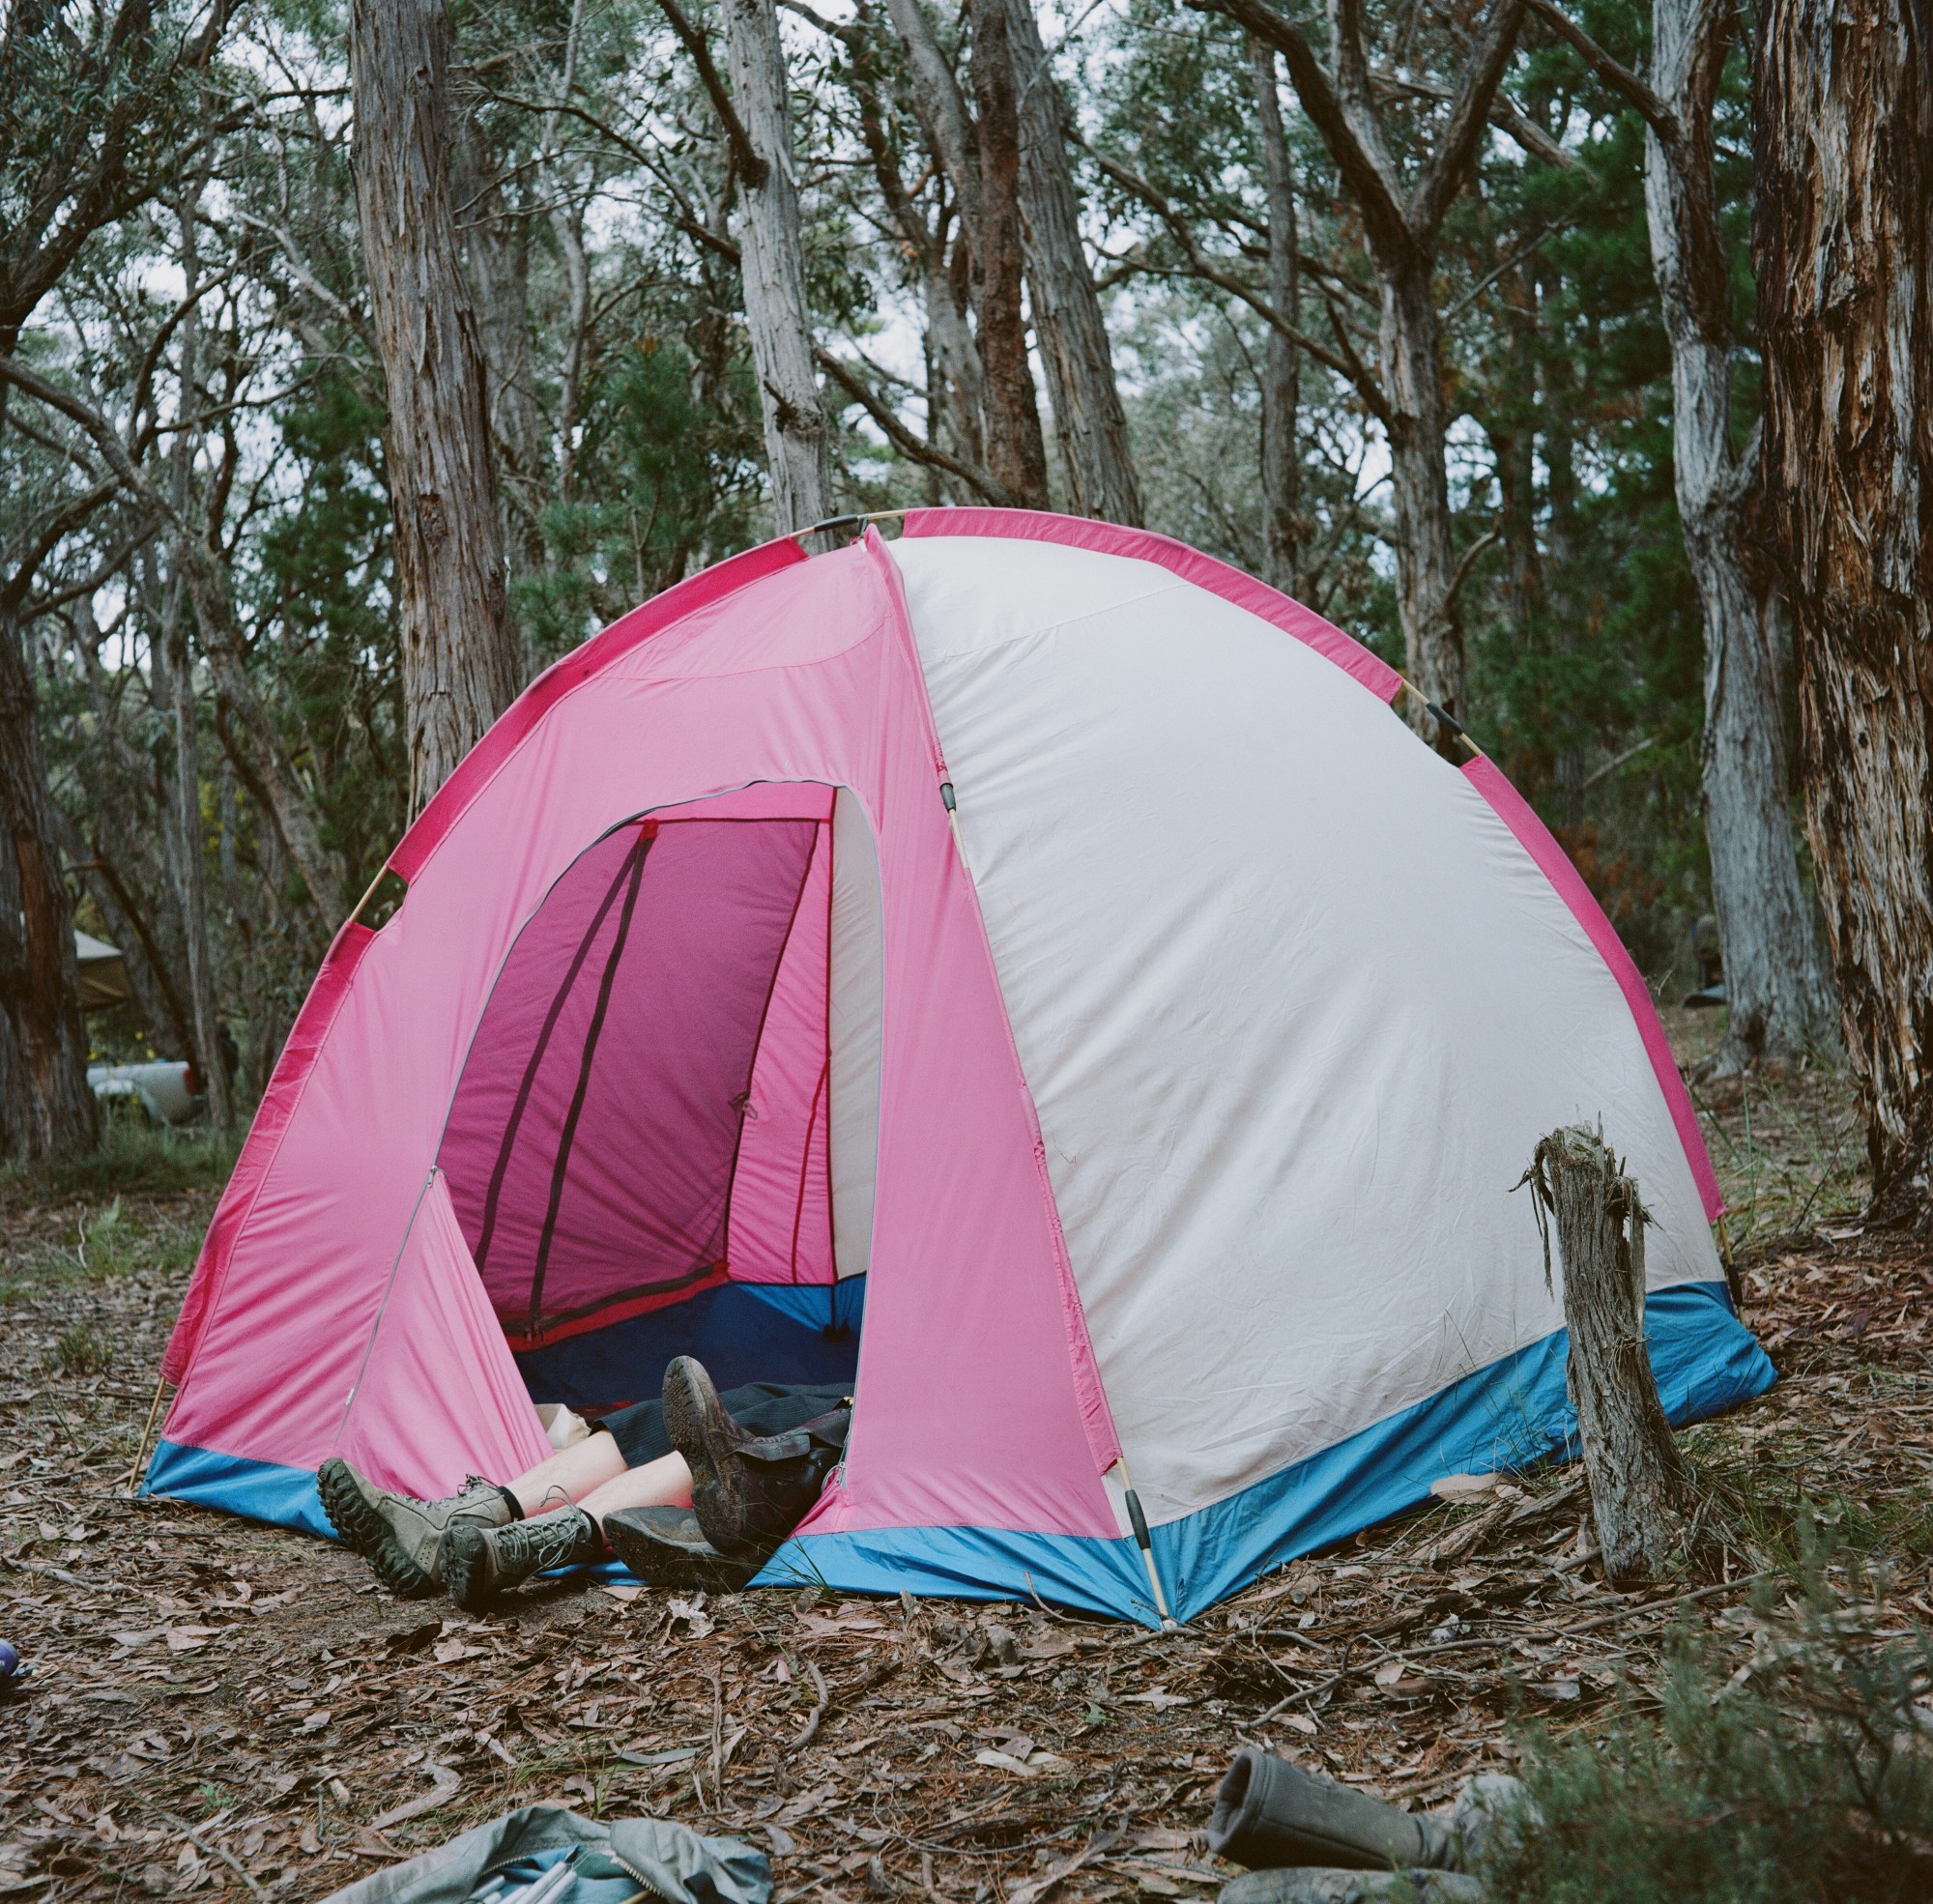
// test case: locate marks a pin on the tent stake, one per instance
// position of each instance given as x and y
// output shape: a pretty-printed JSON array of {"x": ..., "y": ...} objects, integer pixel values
[
  {"x": 1138, "y": 1521},
  {"x": 147, "y": 1428}
]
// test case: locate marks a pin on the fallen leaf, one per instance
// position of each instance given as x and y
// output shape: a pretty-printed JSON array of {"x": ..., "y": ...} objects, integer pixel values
[
  {"x": 447, "y": 1785},
  {"x": 1045, "y": 1646},
  {"x": 1389, "y": 1672},
  {"x": 619, "y": 1591},
  {"x": 846, "y": 1624},
  {"x": 1003, "y": 1762},
  {"x": 1160, "y": 1699},
  {"x": 1463, "y": 1487}
]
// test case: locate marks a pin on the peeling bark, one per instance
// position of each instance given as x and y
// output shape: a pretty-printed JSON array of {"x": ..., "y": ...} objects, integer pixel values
[
  {"x": 772, "y": 264},
  {"x": 1016, "y": 452},
  {"x": 1638, "y": 1482},
  {"x": 1089, "y": 425},
  {"x": 1281, "y": 368},
  {"x": 1843, "y": 93},
  {"x": 1781, "y": 1003},
  {"x": 459, "y": 651}
]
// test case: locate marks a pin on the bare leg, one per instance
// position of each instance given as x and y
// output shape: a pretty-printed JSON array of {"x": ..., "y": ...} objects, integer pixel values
[
  {"x": 568, "y": 1475},
  {"x": 660, "y": 1484}
]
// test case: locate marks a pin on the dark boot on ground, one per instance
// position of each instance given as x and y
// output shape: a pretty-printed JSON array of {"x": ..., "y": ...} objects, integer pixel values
[
  {"x": 666, "y": 1548},
  {"x": 1270, "y": 1814},
  {"x": 748, "y": 1492},
  {"x": 480, "y": 1563},
  {"x": 399, "y": 1537}
]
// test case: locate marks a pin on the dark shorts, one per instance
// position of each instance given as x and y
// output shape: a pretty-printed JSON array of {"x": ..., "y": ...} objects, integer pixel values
[{"x": 758, "y": 1408}]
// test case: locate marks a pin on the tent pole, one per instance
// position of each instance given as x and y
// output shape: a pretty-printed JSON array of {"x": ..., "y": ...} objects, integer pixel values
[
  {"x": 147, "y": 1429},
  {"x": 1138, "y": 1521}
]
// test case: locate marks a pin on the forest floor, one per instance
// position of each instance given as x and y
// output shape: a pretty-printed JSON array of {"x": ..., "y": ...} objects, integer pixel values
[{"x": 216, "y": 1707}]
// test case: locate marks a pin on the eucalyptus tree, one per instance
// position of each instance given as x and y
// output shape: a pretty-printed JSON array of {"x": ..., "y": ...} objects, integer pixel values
[
  {"x": 461, "y": 663},
  {"x": 1779, "y": 1001},
  {"x": 1402, "y": 217},
  {"x": 1844, "y": 251}
]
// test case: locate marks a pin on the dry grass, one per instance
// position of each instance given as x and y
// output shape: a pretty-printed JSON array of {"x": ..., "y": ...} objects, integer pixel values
[{"x": 224, "y": 1707}]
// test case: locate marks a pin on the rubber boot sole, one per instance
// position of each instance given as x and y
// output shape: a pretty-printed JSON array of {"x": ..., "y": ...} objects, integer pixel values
[
  {"x": 671, "y": 1565},
  {"x": 465, "y": 1558},
  {"x": 364, "y": 1532},
  {"x": 700, "y": 1429}
]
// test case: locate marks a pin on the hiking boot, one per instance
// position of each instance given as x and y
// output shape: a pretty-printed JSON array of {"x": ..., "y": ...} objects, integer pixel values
[
  {"x": 749, "y": 1491},
  {"x": 665, "y": 1547},
  {"x": 401, "y": 1537},
  {"x": 481, "y": 1562}
]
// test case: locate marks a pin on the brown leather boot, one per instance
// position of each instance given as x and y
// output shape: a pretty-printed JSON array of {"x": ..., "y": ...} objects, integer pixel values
[
  {"x": 665, "y": 1547},
  {"x": 749, "y": 1491}
]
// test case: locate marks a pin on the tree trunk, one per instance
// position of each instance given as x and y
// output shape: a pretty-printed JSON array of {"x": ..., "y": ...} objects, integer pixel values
[
  {"x": 1568, "y": 609},
  {"x": 1843, "y": 98},
  {"x": 773, "y": 265},
  {"x": 1637, "y": 1478},
  {"x": 1776, "y": 988},
  {"x": 960, "y": 385},
  {"x": 1016, "y": 455},
  {"x": 498, "y": 249},
  {"x": 459, "y": 651},
  {"x": 1426, "y": 563},
  {"x": 1089, "y": 425},
  {"x": 46, "y": 1109},
  {"x": 1282, "y": 369},
  {"x": 175, "y": 677},
  {"x": 271, "y": 772},
  {"x": 942, "y": 112}
]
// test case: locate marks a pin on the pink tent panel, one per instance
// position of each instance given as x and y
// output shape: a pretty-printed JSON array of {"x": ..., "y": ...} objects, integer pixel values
[
  {"x": 592, "y": 1140},
  {"x": 781, "y": 1202},
  {"x": 976, "y": 1381}
]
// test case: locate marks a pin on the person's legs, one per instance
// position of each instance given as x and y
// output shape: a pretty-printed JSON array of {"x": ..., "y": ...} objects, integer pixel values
[
  {"x": 568, "y": 1475},
  {"x": 665, "y": 1483},
  {"x": 565, "y": 1500}
]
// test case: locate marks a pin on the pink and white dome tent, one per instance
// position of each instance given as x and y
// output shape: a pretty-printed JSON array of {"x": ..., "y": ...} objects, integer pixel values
[{"x": 1148, "y": 1123}]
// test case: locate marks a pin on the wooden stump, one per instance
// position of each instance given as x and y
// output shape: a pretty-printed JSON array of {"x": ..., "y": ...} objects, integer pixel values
[{"x": 1639, "y": 1483}]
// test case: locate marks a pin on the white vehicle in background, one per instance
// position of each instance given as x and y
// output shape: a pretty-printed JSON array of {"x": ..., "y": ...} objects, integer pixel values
[{"x": 167, "y": 1089}]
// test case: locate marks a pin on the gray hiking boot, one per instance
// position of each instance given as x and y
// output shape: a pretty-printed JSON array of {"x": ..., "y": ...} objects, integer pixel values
[
  {"x": 479, "y": 1562},
  {"x": 401, "y": 1537}
]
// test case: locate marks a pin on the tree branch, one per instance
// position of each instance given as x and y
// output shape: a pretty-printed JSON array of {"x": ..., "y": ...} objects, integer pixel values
[
  {"x": 206, "y": 578},
  {"x": 751, "y": 167},
  {"x": 1620, "y": 78},
  {"x": 1372, "y": 186},
  {"x": 903, "y": 439},
  {"x": 1469, "y": 113},
  {"x": 1202, "y": 266}
]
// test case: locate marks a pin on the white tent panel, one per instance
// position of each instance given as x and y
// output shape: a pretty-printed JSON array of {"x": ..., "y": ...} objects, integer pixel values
[{"x": 1293, "y": 1004}]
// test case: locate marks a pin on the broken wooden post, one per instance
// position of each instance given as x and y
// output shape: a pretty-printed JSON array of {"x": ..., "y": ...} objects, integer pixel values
[{"x": 1638, "y": 1484}]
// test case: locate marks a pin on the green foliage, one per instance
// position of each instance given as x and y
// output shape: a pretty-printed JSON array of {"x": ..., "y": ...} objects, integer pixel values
[
  {"x": 135, "y": 1157},
  {"x": 1809, "y": 1777}
]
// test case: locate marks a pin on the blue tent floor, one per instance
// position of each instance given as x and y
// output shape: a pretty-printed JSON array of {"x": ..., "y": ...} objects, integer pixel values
[{"x": 1512, "y": 1414}]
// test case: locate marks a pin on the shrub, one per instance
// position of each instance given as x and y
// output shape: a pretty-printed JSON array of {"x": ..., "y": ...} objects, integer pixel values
[{"x": 1810, "y": 1777}]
